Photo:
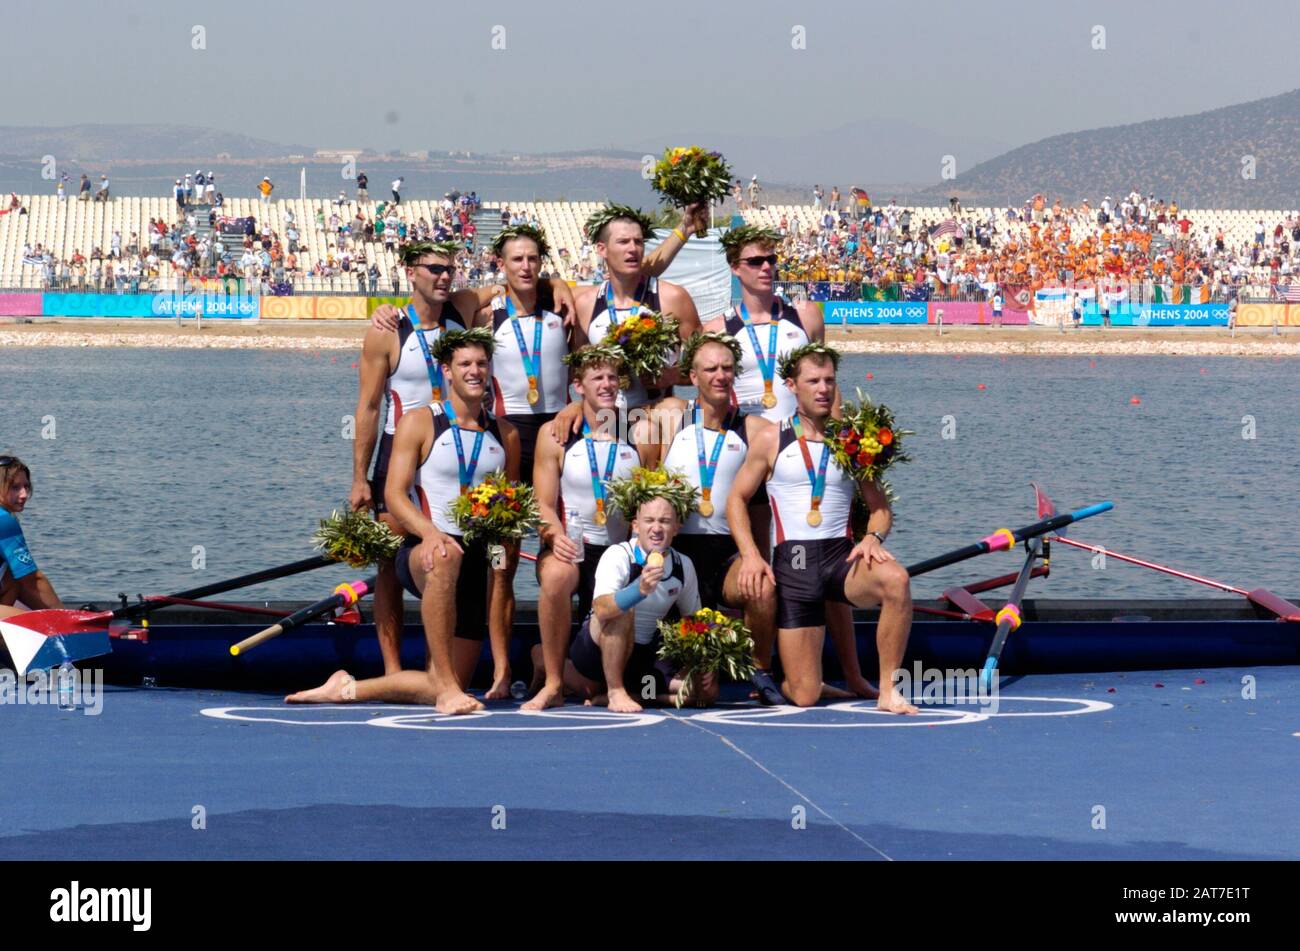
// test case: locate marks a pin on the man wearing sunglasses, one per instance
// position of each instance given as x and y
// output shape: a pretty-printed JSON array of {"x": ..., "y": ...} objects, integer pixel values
[
  {"x": 20, "y": 579},
  {"x": 768, "y": 328},
  {"x": 398, "y": 371}
]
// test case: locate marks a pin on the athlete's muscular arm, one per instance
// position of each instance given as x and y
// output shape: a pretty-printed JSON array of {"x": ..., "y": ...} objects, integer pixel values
[
  {"x": 654, "y": 433},
  {"x": 36, "y": 592},
  {"x": 374, "y": 372},
  {"x": 882, "y": 520},
  {"x": 753, "y": 473},
  {"x": 694, "y": 217},
  {"x": 606, "y": 607},
  {"x": 385, "y": 318},
  {"x": 411, "y": 443},
  {"x": 673, "y": 299},
  {"x": 584, "y": 298}
]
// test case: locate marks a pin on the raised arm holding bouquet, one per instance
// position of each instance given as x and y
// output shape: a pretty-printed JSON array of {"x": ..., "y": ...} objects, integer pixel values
[{"x": 689, "y": 175}]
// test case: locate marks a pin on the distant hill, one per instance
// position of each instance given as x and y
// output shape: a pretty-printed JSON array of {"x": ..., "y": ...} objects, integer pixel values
[
  {"x": 120, "y": 142},
  {"x": 1195, "y": 159}
]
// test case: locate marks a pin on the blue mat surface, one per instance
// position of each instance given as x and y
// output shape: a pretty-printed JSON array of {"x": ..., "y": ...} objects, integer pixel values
[{"x": 1184, "y": 770}]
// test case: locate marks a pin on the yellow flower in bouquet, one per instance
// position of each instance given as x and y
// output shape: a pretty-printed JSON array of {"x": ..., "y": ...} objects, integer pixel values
[{"x": 496, "y": 510}]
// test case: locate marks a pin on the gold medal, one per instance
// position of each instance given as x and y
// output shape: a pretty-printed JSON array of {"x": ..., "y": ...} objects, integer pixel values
[
  {"x": 437, "y": 394},
  {"x": 769, "y": 400},
  {"x": 533, "y": 395},
  {"x": 814, "y": 517},
  {"x": 706, "y": 508},
  {"x": 654, "y": 560},
  {"x": 600, "y": 518}
]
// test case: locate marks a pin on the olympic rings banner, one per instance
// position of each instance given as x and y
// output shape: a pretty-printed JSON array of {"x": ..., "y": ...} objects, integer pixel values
[
  {"x": 1159, "y": 315},
  {"x": 849, "y": 312}
]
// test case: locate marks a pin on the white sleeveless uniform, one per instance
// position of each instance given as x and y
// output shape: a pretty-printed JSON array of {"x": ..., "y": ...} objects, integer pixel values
[
  {"x": 509, "y": 378},
  {"x": 790, "y": 492},
  {"x": 790, "y": 335},
  {"x": 437, "y": 480},
  {"x": 576, "y": 490},
  {"x": 409, "y": 386},
  {"x": 683, "y": 455},
  {"x": 618, "y": 567},
  {"x": 602, "y": 318}
]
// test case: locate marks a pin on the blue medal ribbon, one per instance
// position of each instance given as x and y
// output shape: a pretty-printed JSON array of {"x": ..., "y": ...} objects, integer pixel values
[
  {"x": 766, "y": 366},
  {"x": 597, "y": 485},
  {"x": 430, "y": 364},
  {"x": 818, "y": 479},
  {"x": 532, "y": 360},
  {"x": 707, "y": 470},
  {"x": 466, "y": 472}
]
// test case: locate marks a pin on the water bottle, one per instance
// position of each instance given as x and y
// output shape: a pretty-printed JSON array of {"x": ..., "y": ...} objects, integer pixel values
[
  {"x": 67, "y": 686},
  {"x": 519, "y": 690},
  {"x": 573, "y": 528}
]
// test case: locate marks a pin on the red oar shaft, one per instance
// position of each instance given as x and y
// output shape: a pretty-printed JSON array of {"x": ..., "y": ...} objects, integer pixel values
[{"x": 1187, "y": 576}]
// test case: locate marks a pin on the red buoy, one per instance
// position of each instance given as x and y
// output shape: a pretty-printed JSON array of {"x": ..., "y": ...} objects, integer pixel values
[
  {"x": 871, "y": 376},
  {"x": 1135, "y": 401},
  {"x": 982, "y": 386}
]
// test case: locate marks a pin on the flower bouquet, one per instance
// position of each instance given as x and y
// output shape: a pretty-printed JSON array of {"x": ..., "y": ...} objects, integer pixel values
[
  {"x": 866, "y": 441},
  {"x": 706, "y": 642},
  {"x": 646, "y": 341},
  {"x": 496, "y": 511},
  {"x": 354, "y": 537},
  {"x": 686, "y": 175}
]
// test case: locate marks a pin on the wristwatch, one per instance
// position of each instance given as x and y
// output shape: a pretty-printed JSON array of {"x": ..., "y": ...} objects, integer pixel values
[{"x": 879, "y": 537}]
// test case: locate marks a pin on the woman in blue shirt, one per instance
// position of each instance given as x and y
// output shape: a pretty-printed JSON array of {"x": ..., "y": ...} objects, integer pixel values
[{"x": 20, "y": 579}]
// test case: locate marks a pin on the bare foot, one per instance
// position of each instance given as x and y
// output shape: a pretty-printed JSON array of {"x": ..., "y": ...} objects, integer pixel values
[
  {"x": 340, "y": 688},
  {"x": 546, "y": 698},
  {"x": 861, "y": 687},
  {"x": 893, "y": 702},
  {"x": 620, "y": 702},
  {"x": 500, "y": 689},
  {"x": 835, "y": 693},
  {"x": 456, "y": 702}
]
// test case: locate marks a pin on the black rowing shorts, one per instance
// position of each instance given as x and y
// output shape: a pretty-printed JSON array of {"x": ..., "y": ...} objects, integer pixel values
[
  {"x": 808, "y": 574},
  {"x": 471, "y": 605},
  {"x": 644, "y": 662}
]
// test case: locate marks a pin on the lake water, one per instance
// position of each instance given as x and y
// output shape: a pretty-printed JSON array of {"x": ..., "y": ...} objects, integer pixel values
[{"x": 139, "y": 455}]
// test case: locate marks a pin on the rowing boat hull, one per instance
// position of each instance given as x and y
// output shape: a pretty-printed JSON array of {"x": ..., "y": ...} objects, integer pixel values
[{"x": 191, "y": 648}]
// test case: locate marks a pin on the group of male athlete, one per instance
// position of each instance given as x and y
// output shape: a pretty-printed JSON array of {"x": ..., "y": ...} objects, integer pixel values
[{"x": 515, "y": 379}]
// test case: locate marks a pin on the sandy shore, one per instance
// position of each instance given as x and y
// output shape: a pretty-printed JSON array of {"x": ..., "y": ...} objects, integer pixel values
[{"x": 346, "y": 335}]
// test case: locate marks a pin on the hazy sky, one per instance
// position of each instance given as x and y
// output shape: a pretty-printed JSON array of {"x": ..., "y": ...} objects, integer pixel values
[{"x": 415, "y": 75}]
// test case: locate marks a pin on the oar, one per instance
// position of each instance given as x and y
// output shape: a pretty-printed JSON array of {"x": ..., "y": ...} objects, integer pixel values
[
  {"x": 344, "y": 596},
  {"x": 1008, "y": 617},
  {"x": 1284, "y": 609},
  {"x": 1004, "y": 538},
  {"x": 220, "y": 587}
]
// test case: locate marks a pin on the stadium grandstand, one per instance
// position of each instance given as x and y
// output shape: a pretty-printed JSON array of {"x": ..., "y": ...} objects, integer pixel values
[{"x": 1155, "y": 250}]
